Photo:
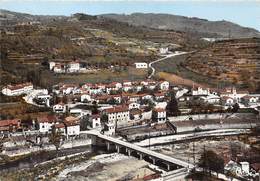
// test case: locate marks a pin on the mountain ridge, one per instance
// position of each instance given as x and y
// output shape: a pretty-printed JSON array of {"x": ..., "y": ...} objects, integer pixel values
[{"x": 186, "y": 24}]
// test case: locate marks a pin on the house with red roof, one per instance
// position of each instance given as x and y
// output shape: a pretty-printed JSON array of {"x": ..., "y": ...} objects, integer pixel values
[
  {"x": 45, "y": 123},
  {"x": 17, "y": 89},
  {"x": 10, "y": 125},
  {"x": 118, "y": 114},
  {"x": 159, "y": 115}
]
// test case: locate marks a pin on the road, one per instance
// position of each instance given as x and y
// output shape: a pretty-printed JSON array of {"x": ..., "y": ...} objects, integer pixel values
[
  {"x": 189, "y": 136},
  {"x": 158, "y": 60}
]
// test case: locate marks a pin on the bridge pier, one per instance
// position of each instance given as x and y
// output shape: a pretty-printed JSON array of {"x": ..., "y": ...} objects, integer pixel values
[
  {"x": 140, "y": 156},
  {"x": 153, "y": 160},
  {"x": 128, "y": 151},
  {"x": 108, "y": 146},
  {"x": 168, "y": 166},
  {"x": 118, "y": 148}
]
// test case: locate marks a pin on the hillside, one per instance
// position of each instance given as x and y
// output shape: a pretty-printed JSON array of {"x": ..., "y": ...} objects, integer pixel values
[
  {"x": 28, "y": 42},
  {"x": 236, "y": 61},
  {"x": 198, "y": 26}
]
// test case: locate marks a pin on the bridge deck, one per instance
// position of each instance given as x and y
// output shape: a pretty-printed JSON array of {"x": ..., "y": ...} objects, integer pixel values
[{"x": 141, "y": 149}]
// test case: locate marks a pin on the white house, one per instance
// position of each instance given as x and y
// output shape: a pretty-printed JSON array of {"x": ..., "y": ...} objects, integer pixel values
[
  {"x": 45, "y": 123},
  {"x": 110, "y": 129},
  {"x": 200, "y": 91},
  {"x": 18, "y": 89},
  {"x": 51, "y": 65},
  {"x": 211, "y": 99},
  {"x": 85, "y": 98},
  {"x": 73, "y": 129},
  {"x": 73, "y": 66},
  {"x": 159, "y": 115},
  {"x": 118, "y": 114},
  {"x": 141, "y": 65},
  {"x": 133, "y": 105},
  {"x": 96, "y": 121},
  {"x": 45, "y": 98},
  {"x": 227, "y": 101},
  {"x": 59, "y": 68},
  {"x": 163, "y": 50},
  {"x": 164, "y": 85},
  {"x": 249, "y": 100},
  {"x": 59, "y": 108}
]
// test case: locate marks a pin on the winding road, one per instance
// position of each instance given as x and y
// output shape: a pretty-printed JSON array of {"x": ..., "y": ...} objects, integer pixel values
[{"x": 158, "y": 60}]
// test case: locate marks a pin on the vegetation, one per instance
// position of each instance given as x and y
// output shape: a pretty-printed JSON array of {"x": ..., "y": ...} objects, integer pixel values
[
  {"x": 55, "y": 138},
  {"x": 211, "y": 161},
  {"x": 172, "y": 106}
]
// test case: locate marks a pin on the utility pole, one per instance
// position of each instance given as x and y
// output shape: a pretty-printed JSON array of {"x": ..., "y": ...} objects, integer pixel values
[
  {"x": 149, "y": 136},
  {"x": 193, "y": 152}
]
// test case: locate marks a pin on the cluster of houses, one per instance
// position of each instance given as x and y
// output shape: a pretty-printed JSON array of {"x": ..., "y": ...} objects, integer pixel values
[
  {"x": 243, "y": 170},
  {"x": 226, "y": 97},
  {"x": 67, "y": 67},
  {"x": 127, "y": 102}
]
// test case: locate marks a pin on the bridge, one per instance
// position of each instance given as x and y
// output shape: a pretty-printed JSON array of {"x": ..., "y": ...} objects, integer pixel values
[{"x": 118, "y": 145}]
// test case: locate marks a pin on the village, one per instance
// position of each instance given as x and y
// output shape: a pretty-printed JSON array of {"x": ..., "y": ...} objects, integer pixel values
[
  {"x": 106, "y": 97},
  {"x": 134, "y": 110}
]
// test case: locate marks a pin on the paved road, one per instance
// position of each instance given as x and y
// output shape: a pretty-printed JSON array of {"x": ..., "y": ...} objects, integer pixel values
[{"x": 158, "y": 60}]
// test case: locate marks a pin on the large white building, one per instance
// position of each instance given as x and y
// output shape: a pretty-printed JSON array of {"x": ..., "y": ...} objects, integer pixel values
[
  {"x": 18, "y": 89},
  {"x": 118, "y": 114},
  {"x": 141, "y": 65}
]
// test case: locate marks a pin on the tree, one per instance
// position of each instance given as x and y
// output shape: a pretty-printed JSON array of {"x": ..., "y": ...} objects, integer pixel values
[
  {"x": 84, "y": 122},
  {"x": 95, "y": 108},
  {"x": 211, "y": 161},
  {"x": 104, "y": 118},
  {"x": 172, "y": 106},
  {"x": 55, "y": 138},
  {"x": 235, "y": 108},
  {"x": 112, "y": 101}
]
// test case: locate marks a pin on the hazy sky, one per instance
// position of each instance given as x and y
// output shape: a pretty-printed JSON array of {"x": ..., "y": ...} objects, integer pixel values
[{"x": 245, "y": 13}]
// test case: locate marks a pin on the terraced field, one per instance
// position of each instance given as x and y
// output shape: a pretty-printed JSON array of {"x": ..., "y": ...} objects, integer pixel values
[{"x": 236, "y": 61}]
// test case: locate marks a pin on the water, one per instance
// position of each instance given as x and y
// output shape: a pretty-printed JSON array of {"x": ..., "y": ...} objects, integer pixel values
[{"x": 39, "y": 157}]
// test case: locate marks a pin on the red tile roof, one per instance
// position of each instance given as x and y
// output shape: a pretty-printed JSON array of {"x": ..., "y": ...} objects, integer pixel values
[
  {"x": 10, "y": 122},
  {"x": 159, "y": 110},
  {"x": 47, "y": 119},
  {"x": 19, "y": 86},
  {"x": 117, "y": 109}
]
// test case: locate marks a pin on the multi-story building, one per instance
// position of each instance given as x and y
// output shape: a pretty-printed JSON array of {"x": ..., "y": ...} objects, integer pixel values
[
  {"x": 119, "y": 114},
  {"x": 18, "y": 89},
  {"x": 159, "y": 115},
  {"x": 45, "y": 123}
]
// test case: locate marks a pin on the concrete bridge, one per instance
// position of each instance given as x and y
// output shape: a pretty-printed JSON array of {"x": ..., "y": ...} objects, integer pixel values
[{"x": 115, "y": 144}]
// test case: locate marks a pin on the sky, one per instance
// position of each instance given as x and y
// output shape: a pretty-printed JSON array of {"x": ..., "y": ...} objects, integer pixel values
[{"x": 242, "y": 12}]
